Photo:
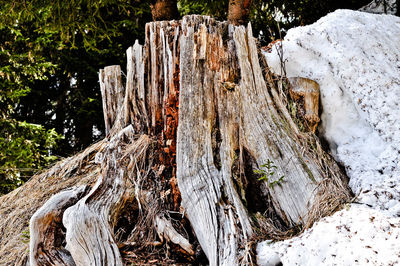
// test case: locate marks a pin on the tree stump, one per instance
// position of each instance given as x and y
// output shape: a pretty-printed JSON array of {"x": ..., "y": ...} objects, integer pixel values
[{"x": 202, "y": 130}]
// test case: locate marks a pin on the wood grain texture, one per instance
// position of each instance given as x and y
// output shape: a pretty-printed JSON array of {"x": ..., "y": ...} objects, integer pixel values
[
  {"x": 208, "y": 195},
  {"x": 89, "y": 228},
  {"x": 46, "y": 230},
  {"x": 228, "y": 111},
  {"x": 112, "y": 93}
]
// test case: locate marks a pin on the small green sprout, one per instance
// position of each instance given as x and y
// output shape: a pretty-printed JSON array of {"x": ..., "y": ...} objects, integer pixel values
[{"x": 267, "y": 172}]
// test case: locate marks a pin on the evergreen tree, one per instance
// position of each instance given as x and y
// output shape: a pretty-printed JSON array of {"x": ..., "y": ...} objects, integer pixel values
[
  {"x": 25, "y": 148},
  {"x": 50, "y": 52}
]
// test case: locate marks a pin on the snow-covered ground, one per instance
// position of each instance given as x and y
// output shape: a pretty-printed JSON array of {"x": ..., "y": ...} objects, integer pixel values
[{"x": 355, "y": 57}]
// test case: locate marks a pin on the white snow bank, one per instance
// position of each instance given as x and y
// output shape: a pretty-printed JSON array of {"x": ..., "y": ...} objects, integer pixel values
[
  {"x": 358, "y": 236},
  {"x": 355, "y": 57}
]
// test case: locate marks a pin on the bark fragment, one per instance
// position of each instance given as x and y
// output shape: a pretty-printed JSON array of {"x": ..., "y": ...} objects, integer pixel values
[
  {"x": 167, "y": 231},
  {"x": 305, "y": 93}
]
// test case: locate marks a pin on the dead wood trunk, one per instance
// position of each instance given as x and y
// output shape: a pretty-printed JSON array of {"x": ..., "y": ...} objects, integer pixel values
[{"x": 200, "y": 130}]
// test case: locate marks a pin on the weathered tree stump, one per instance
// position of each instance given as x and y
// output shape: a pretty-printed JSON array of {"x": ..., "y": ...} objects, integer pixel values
[{"x": 202, "y": 130}]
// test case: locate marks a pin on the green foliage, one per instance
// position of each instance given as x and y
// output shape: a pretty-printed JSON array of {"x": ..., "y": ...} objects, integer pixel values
[
  {"x": 217, "y": 8},
  {"x": 20, "y": 65},
  {"x": 267, "y": 171},
  {"x": 74, "y": 39},
  {"x": 24, "y": 149},
  {"x": 91, "y": 20}
]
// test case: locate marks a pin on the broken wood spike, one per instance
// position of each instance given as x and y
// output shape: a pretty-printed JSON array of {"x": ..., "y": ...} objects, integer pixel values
[
  {"x": 166, "y": 231},
  {"x": 112, "y": 93}
]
